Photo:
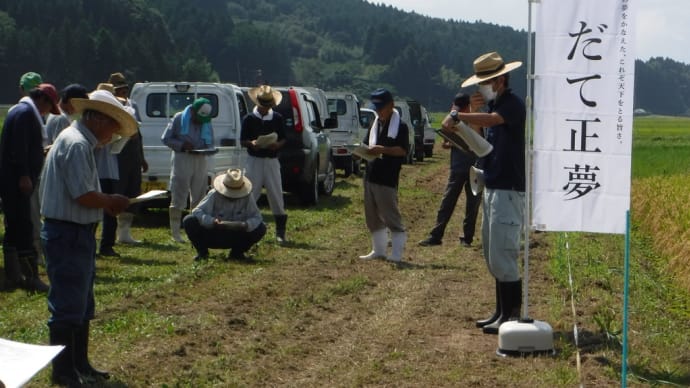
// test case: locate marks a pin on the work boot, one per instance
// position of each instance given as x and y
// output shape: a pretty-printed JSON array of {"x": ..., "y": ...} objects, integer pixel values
[
  {"x": 29, "y": 266},
  {"x": 281, "y": 221},
  {"x": 124, "y": 225},
  {"x": 379, "y": 241},
  {"x": 175, "y": 224},
  {"x": 108, "y": 252},
  {"x": 497, "y": 311},
  {"x": 511, "y": 300},
  {"x": 81, "y": 354},
  {"x": 13, "y": 273},
  {"x": 64, "y": 369}
]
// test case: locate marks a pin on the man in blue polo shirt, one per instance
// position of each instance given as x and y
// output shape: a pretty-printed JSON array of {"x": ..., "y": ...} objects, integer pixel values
[{"x": 504, "y": 179}]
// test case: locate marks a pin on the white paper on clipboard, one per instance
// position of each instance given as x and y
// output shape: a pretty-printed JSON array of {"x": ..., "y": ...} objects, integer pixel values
[
  {"x": 363, "y": 152},
  {"x": 153, "y": 194}
]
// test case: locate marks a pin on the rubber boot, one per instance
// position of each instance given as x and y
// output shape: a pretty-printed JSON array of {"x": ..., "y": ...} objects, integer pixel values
[
  {"x": 124, "y": 225},
  {"x": 175, "y": 220},
  {"x": 64, "y": 370},
  {"x": 29, "y": 267},
  {"x": 379, "y": 241},
  {"x": 497, "y": 311},
  {"x": 511, "y": 300},
  {"x": 13, "y": 273},
  {"x": 81, "y": 354},
  {"x": 398, "y": 240},
  {"x": 281, "y": 221}
]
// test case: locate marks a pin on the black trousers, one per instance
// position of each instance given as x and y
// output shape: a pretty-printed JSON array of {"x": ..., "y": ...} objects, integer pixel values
[
  {"x": 456, "y": 181},
  {"x": 18, "y": 227},
  {"x": 109, "y": 222},
  {"x": 202, "y": 238}
]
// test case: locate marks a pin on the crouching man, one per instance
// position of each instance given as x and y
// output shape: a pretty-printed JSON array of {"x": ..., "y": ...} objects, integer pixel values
[{"x": 226, "y": 218}]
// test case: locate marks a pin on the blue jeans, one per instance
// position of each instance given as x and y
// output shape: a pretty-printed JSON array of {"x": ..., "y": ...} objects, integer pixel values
[{"x": 70, "y": 250}]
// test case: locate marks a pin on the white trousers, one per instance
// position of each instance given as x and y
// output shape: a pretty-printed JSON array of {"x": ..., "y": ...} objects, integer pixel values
[
  {"x": 188, "y": 179},
  {"x": 265, "y": 172}
]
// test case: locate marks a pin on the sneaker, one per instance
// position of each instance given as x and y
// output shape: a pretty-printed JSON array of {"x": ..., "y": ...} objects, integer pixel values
[
  {"x": 465, "y": 243},
  {"x": 429, "y": 242}
]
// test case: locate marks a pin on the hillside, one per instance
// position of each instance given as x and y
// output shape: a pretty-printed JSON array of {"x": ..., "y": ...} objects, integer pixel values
[{"x": 333, "y": 44}]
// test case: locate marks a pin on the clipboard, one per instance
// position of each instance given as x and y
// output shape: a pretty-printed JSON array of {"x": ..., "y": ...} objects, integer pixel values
[
  {"x": 153, "y": 194},
  {"x": 362, "y": 151},
  {"x": 204, "y": 151}
]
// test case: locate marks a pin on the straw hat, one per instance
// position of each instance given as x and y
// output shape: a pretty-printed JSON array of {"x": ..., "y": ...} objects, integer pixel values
[
  {"x": 104, "y": 102},
  {"x": 118, "y": 80},
  {"x": 233, "y": 184},
  {"x": 489, "y": 66},
  {"x": 264, "y": 95}
]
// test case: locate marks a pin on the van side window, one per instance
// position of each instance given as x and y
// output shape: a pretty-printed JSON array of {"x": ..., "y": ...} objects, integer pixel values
[
  {"x": 312, "y": 113},
  {"x": 156, "y": 103}
]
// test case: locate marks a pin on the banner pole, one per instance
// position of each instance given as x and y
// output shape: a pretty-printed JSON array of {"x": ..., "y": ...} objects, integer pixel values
[
  {"x": 528, "y": 166},
  {"x": 626, "y": 284}
]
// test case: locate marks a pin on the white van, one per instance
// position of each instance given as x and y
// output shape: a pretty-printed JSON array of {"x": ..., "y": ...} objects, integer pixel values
[
  {"x": 406, "y": 116},
  {"x": 348, "y": 131},
  {"x": 159, "y": 101},
  {"x": 429, "y": 134}
]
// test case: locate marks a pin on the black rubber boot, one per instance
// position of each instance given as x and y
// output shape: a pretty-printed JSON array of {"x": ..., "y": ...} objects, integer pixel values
[
  {"x": 29, "y": 266},
  {"x": 511, "y": 300},
  {"x": 64, "y": 370},
  {"x": 81, "y": 354},
  {"x": 13, "y": 273},
  {"x": 281, "y": 221},
  {"x": 497, "y": 311}
]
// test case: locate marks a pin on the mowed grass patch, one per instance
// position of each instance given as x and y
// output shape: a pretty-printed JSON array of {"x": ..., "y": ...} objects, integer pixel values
[{"x": 311, "y": 314}]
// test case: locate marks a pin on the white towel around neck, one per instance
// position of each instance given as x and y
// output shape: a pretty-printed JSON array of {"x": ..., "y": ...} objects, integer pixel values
[
  {"x": 268, "y": 117},
  {"x": 392, "y": 128}
]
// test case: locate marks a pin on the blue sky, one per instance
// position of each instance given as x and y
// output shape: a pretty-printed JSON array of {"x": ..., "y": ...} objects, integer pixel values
[{"x": 663, "y": 26}]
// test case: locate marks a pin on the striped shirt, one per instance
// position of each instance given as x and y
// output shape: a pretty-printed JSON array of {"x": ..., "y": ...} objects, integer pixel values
[
  {"x": 106, "y": 163},
  {"x": 70, "y": 172}
]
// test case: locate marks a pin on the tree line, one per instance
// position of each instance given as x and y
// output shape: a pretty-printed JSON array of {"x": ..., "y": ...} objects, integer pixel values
[{"x": 333, "y": 44}]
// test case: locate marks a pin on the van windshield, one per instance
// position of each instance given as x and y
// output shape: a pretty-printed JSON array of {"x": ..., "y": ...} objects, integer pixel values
[{"x": 157, "y": 104}]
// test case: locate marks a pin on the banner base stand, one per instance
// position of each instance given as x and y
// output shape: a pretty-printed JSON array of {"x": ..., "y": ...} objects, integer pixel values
[{"x": 525, "y": 337}]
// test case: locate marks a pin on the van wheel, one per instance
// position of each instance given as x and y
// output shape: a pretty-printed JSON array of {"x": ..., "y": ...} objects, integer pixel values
[
  {"x": 356, "y": 166},
  {"x": 326, "y": 187},
  {"x": 309, "y": 191}
]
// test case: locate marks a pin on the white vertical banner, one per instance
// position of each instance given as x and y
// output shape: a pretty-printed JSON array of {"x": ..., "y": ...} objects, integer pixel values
[{"x": 583, "y": 102}]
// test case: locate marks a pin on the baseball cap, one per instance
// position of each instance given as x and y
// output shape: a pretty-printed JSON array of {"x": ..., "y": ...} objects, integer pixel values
[
  {"x": 30, "y": 80},
  {"x": 50, "y": 91},
  {"x": 381, "y": 97},
  {"x": 203, "y": 108}
]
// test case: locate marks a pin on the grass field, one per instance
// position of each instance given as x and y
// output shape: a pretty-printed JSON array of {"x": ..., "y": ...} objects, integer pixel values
[{"x": 312, "y": 315}]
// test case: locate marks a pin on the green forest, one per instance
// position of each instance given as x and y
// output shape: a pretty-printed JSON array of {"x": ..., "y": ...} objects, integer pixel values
[{"x": 332, "y": 44}]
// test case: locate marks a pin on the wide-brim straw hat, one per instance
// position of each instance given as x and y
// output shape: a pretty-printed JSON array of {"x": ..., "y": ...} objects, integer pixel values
[
  {"x": 233, "y": 184},
  {"x": 105, "y": 102},
  {"x": 488, "y": 66},
  {"x": 264, "y": 95}
]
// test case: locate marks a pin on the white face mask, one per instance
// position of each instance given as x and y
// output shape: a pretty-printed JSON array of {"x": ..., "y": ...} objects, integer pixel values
[{"x": 487, "y": 92}]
